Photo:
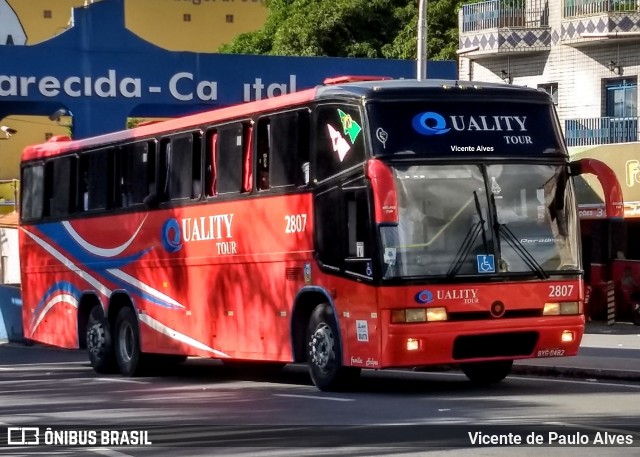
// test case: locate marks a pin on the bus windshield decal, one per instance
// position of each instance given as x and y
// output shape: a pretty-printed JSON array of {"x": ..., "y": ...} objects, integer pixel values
[
  {"x": 339, "y": 144},
  {"x": 421, "y": 126},
  {"x": 438, "y": 128},
  {"x": 349, "y": 126}
]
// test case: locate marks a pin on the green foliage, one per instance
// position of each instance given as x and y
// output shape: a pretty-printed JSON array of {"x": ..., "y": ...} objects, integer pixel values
[{"x": 352, "y": 28}]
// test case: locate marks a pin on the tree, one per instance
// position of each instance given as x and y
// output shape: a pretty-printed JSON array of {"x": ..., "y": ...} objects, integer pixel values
[{"x": 352, "y": 28}]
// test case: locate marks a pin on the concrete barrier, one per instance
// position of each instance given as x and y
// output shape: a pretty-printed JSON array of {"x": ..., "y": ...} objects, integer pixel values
[{"x": 11, "y": 314}]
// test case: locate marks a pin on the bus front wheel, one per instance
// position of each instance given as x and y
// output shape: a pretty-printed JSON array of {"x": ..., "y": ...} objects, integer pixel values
[
  {"x": 487, "y": 372},
  {"x": 127, "y": 343},
  {"x": 99, "y": 344},
  {"x": 325, "y": 352}
]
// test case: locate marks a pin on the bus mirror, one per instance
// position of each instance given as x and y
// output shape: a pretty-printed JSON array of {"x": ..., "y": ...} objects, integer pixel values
[
  {"x": 385, "y": 197},
  {"x": 607, "y": 178}
]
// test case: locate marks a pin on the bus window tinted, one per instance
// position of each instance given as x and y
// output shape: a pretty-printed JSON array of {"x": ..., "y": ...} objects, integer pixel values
[
  {"x": 60, "y": 186},
  {"x": 136, "y": 173},
  {"x": 339, "y": 139},
  {"x": 96, "y": 174},
  {"x": 182, "y": 154},
  {"x": 229, "y": 155},
  {"x": 283, "y": 150},
  {"x": 32, "y": 192}
]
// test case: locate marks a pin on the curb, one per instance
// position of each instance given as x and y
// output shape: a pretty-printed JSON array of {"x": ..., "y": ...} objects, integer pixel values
[{"x": 576, "y": 372}]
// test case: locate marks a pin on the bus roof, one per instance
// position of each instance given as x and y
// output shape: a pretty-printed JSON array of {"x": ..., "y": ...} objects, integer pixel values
[{"x": 342, "y": 87}]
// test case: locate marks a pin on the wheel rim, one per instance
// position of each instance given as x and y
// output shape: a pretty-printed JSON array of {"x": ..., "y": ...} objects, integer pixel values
[
  {"x": 95, "y": 339},
  {"x": 126, "y": 341},
  {"x": 322, "y": 347}
]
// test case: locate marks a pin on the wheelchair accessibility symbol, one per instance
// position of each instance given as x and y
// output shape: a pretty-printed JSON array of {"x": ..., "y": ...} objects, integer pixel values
[{"x": 486, "y": 263}]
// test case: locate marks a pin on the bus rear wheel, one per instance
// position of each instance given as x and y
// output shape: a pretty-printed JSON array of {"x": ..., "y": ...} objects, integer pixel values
[
  {"x": 127, "y": 343},
  {"x": 487, "y": 372},
  {"x": 325, "y": 352},
  {"x": 99, "y": 345}
]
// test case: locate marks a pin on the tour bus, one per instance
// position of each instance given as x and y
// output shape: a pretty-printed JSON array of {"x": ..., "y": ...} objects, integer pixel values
[{"x": 366, "y": 223}]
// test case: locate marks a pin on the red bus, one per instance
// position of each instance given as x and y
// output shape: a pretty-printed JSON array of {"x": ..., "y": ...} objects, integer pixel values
[{"x": 361, "y": 224}]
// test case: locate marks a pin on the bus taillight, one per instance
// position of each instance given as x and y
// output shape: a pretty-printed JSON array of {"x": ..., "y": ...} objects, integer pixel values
[{"x": 385, "y": 198}]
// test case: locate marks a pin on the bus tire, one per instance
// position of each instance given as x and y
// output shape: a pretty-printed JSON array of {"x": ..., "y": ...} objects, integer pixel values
[
  {"x": 484, "y": 373},
  {"x": 325, "y": 352},
  {"x": 99, "y": 344},
  {"x": 127, "y": 343}
]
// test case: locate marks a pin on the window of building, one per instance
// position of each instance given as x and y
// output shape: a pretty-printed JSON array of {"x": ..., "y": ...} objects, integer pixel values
[
  {"x": 229, "y": 18},
  {"x": 186, "y": 17},
  {"x": 552, "y": 90},
  {"x": 47, "y": 14},
  {"x": 621, "y": 109},
  {"x": 621, "y": 98}
]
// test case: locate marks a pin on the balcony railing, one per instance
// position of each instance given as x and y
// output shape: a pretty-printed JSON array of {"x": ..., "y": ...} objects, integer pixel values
[
  {"x": 601, "y": 130},
  {"x": 499, "y": 13},
  {"x": 573, "y": 8}
]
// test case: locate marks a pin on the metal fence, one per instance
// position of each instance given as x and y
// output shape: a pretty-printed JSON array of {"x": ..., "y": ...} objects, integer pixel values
[
  {"x": 573, "y": 8},
  {"x": 505, "y": 13},
  {"x": 601, "y": 130}
]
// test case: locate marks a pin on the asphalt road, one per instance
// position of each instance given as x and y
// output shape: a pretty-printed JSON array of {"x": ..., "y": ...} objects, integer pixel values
[{"x": 205, "y": 408}]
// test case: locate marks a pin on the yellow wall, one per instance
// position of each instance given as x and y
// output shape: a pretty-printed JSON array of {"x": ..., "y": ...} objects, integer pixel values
[
  {"x": 161, "y": 22},
  {"x": 158, "y": 21},
  {"x": 36, "y": 26}
]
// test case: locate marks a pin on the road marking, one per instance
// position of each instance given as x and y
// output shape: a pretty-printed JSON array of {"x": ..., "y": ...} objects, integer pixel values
[
  {"x": 44, "y": 367},
  {"x": 576, "y": 381},
  {"x": 108, "y": 452},
  {"x": 314, "y": 397},
  {"x": 132, "y": 381}
]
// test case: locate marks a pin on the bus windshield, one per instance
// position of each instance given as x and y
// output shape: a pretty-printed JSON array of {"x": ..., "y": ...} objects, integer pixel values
[{"x": 481, "y": 220}]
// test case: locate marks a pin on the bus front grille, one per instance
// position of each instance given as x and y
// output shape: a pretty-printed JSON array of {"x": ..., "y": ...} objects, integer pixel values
[{"x": 494, "y": 345}]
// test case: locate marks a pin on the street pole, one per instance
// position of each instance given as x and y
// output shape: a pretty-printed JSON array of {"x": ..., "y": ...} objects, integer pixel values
[{"x": 422, "y": 40}]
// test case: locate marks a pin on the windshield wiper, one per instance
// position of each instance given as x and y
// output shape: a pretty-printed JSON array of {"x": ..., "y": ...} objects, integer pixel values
[
  {"x": 512, "y": 241},
  {"x": 477, "y": 229}
]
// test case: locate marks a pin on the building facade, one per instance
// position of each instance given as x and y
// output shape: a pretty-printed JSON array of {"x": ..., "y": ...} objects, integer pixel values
[{"x": 586, "y": 55}]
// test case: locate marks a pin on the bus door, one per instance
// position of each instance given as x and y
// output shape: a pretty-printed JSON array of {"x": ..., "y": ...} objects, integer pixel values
[{"x": 344, "y": 230}]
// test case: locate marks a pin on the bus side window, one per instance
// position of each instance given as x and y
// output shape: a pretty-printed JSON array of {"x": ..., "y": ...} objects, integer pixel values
[
  {"x": 99, "y": 177},
  {"x": 283, "y": 150},
  {"x": 288, "y": 151},
  {"x": 32, "y": 201},
  {"x": 229, "y": 159},
  {"x": 94, "y": 175},
  {"x": 136, "y": 173},
  {"x": 60, "y": 187},
  {"x": 183, "y": 158}
]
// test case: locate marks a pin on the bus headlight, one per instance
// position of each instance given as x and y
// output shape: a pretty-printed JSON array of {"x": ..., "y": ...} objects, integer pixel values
[
  {"x": 412, "y": 315},
  {"x": 567, "y": 308}
]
